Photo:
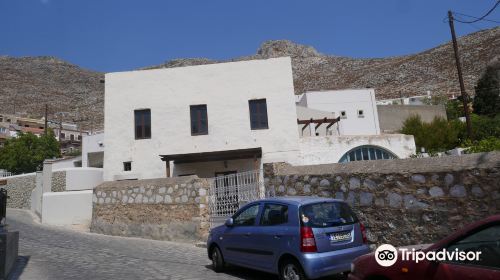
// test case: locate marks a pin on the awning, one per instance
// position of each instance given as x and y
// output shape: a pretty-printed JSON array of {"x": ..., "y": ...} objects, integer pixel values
[{"x": 214, "y": 156}]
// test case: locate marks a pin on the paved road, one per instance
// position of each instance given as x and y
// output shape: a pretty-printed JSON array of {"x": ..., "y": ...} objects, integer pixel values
[{"x": 55, "y": 253}]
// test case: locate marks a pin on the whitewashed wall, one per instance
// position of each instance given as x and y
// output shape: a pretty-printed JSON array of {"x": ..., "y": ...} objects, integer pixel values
[
  {"x": 328, "y": 149},
  {"x": 67, "y": 208},
  {"x": 350, "y": 101},
  {"x": 226, "y": 88},
  {"x": 91, "y": 144},
  {"x": 83, "y": 178}
]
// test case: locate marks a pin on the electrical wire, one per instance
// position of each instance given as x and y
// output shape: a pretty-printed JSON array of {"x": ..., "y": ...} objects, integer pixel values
[
  {"x": 463, "y": 21},
  {"x": 485, "y": 15}
]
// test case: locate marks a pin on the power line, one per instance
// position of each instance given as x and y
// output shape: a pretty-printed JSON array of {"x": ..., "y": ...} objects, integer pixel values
[
  {"x": 485, "y": 15},
  {"x": 483, "y": 19}
]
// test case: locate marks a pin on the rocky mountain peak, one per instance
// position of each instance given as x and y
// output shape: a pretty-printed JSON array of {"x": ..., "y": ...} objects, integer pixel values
[{"x": 277, "y": 48}]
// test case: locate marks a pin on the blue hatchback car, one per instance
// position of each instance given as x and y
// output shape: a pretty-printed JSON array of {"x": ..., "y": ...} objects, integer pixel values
[{"x": 294, "y": 237}]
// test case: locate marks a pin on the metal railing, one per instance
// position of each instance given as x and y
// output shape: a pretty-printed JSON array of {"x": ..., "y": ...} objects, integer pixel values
[
  {"x": 5, "y": 174},
  {"x": 227, "y": 193}
]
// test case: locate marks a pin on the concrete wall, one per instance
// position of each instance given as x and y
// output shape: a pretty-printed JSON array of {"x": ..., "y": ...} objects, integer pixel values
[
  {"x": 19, "y": 188},
  {"x": 67, "y": 208},
  {"x": 36, "y": 194},
  {"x": 401, "y": 202},
  {"x": 391, "y": 117},
  {"x": 164, "y": 209},
  {"x": 226, "y": 88},
  {"x": 83, "y": 178},
  {"x": 72, "y": 162},
  {"x": 92, "y": 150},
  {"x": 350, "y": 101},
  {"x": 329, "y": 149}
]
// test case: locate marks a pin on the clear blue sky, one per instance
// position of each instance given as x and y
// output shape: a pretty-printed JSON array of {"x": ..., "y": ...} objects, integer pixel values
[{"x": 116, "y": 35}]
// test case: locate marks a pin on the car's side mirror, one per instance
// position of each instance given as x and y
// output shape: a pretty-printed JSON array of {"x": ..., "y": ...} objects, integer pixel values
[{"x": 229, "y": 222}]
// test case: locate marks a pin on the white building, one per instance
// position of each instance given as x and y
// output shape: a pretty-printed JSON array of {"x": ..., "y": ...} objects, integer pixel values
[
  {"x": 205, "y": 120},
  {"x": 355, "y": 107},
  {"x": 218, "y": 119},
  {"x": 93, "y": 150}
]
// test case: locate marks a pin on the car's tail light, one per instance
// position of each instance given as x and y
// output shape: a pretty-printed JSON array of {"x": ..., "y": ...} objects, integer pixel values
[
  {"x": 363, "y": 232},
  {"x": 307, "y": 242}
]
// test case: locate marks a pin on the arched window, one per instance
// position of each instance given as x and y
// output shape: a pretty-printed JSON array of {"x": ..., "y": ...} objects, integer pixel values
[{"x": 367, "y": 153}]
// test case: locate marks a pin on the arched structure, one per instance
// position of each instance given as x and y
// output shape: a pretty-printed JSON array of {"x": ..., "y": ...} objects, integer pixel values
[{"x": 367, "y": 152}]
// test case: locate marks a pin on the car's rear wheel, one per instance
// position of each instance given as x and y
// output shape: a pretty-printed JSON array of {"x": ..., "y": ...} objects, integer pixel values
[
  {"x": 217, "y": 260},
  {"x": 291, "y": 270}
]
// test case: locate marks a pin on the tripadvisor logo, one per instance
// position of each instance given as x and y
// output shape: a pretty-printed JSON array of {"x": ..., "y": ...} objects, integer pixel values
[{"x": 387, "y": 255}]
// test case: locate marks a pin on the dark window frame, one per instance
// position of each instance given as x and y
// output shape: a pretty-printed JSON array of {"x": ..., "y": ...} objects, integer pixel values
[
  {"x": 127, "y": 166},
  {"x": 259, "y": 115},
  {"x": 142, "y": 113},
  {"x": 199, "y": 119}
]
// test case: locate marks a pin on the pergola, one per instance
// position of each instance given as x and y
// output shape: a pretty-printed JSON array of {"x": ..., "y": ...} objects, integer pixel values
[
  {"x": 252, "y": 153},
  {"x": 318, "y": 122}
]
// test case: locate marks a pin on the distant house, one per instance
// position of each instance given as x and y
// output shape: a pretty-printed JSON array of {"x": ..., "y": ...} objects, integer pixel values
[{"x": 227, "y": 118}]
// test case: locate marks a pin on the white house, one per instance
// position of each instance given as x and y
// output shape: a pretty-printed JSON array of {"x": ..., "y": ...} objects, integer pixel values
[
  {"x": 205, "y": 120},
  {"x": 355, "y": 107},
  {"x": 219, "y": 119},
  {"x": 93, "y": 150}
]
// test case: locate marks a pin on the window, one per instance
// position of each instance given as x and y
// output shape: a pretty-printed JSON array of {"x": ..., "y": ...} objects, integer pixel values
[
  {"x": 327, "y": 214},
  {"x": 247, "y": 217},
  {"x": 127, "y": 166},
  {"x": 72, "y": 137},
  {"x": 258, "y": 114},
  {"x": 367, "y": 153},
  {"x": 486, "y": 241},
  {"x": 62, "y": 135},
  {"x": 79, "y": 138},
  {"x": 199, "y": 120},
  {"x": 142, "y": 124},
  {"x": 343, "y": 115},
  {"x": 361, "y": 114},
  {"x": 274, "y": 214}
]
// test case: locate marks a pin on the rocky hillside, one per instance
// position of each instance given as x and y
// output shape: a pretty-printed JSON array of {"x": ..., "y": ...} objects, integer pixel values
[{"x": 28, "y": 83}]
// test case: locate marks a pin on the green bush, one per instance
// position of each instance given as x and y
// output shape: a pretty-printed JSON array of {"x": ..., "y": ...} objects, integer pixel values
[
  {"x": 437, "y": 136},
  {"x": 485, "y": 145},
  {"x": 27, "y": 152}
]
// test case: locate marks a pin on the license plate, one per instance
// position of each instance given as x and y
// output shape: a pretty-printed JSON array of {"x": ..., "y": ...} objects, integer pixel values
[{"x": 340, "y": 236}]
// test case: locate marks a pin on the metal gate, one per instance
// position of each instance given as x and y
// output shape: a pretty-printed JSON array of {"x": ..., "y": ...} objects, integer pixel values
[{"x": 228, "y": 192}]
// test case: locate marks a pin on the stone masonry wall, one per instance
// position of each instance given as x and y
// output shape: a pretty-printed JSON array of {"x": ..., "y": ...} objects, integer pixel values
[
  {"x": 58, "y": 181},
  {"x": 19, "y": 190},
  {"x": 401, "y": 202},
  {"x": 164, "y": 209}
]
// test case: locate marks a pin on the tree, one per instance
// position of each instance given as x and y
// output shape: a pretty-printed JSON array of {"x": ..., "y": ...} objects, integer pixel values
[
  {"x": 437, "y": 136},
  {"x": 27, "y": 152},
  {"x": 487, "y": 98}
]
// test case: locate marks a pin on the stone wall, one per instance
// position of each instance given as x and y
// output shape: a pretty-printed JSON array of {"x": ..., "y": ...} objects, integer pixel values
[
  {"x": 19, "y": 190},
  {"x": 164, "y": 209},
  {"x": 401, "y": 202},
  {"x": 58, "y": 181}
]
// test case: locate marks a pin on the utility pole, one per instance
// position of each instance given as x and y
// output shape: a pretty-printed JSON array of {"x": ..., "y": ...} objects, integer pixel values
[
  {"x": 465, "y": 98},
  {"x": 46, "y": 120},
  {"x": 60, "y": 126}
]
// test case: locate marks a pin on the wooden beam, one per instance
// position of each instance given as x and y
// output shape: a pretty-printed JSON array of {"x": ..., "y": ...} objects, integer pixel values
[
  {"x": 333, "y": 122},
  {"x": 319, "y": 123}
]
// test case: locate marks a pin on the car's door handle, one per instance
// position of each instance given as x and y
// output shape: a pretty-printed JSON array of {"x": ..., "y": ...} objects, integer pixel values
[
  {"x": 277, "y": 236},
  {"x": 247, "y": 234}
]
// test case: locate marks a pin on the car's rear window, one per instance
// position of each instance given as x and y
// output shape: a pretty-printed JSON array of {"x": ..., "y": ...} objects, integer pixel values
[{"x": 327, "y": 214}]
